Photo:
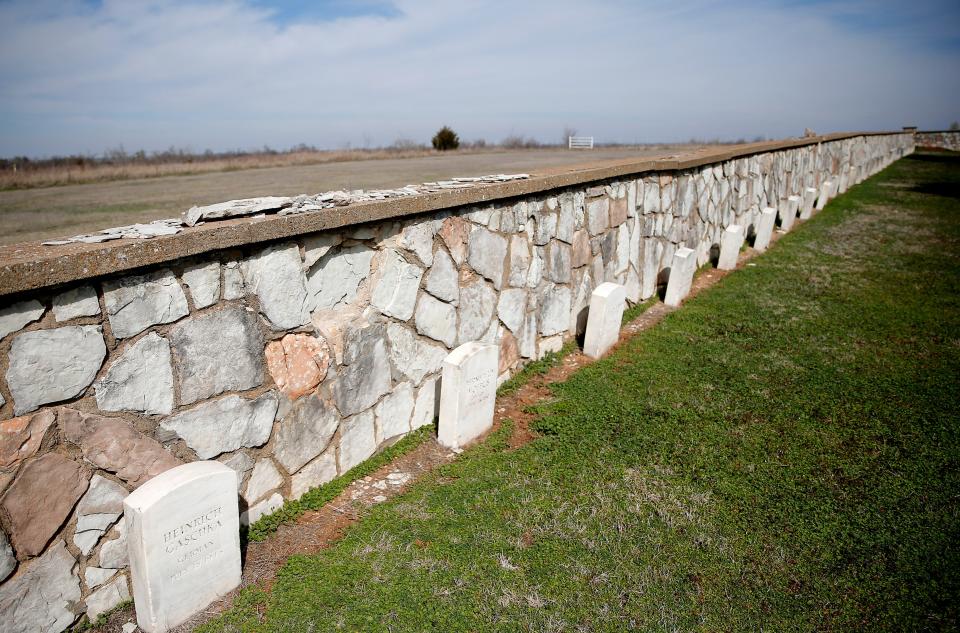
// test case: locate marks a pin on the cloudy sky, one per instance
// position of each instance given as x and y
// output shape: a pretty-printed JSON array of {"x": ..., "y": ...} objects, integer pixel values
[{"x": 85, "y": 76}]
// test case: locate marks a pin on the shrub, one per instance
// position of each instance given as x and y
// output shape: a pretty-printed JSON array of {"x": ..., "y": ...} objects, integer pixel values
[{"x": 445, "y": 139}]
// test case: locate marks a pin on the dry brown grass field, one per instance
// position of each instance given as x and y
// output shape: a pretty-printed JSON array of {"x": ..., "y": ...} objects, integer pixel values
[{"x": 57, "y": 211}]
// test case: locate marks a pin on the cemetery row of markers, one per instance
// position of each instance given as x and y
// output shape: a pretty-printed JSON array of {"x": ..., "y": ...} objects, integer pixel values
[{"x": 183, "y": 525}]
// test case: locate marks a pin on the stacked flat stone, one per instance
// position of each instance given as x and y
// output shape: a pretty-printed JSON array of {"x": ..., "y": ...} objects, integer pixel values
[{"x": 293, "y": 362}]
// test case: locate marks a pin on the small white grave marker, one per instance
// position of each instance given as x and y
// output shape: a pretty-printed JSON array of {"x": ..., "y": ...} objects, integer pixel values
[
  {"x": 809, "y": 196},
  {"x": 681, "y": 276},
  {"x": 826, "y": 189},
  {"x": 603, "y": 320},
  {"x": 183, "y": 537},
  {"x": 730, "y": 242},
  {"x": 788, "y": 212},
  {"x": 468, "y": 390},
  {"x": 768, "y": 218}
]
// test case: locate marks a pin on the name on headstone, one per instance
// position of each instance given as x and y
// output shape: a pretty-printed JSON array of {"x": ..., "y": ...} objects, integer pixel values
[
  {"x": 468, "y": 390},
  {"x": 183, "y": 537}
]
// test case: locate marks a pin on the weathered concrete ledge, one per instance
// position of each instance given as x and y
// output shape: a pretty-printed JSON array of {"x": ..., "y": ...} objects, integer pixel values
[{"x": 31, "y": 266}]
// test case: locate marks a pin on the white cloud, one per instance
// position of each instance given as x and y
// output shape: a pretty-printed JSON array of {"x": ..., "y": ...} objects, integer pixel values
[{"x": 82, "y": 77}]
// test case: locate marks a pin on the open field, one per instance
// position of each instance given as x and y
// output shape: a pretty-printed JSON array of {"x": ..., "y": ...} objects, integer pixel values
[
  {"x": 782, "y": 453},
  {"x": 35, "y": 214}
]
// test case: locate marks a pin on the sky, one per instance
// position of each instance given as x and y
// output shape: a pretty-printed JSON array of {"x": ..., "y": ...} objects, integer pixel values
[{"x": 85, "y": 76}]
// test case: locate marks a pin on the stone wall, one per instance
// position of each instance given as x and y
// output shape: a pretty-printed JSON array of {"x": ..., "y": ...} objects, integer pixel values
[
  {"x": 296, "y": 360},
  {"x": 945, "y": 139}
]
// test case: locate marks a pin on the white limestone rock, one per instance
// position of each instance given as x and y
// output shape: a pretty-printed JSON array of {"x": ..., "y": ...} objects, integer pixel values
[
  {"x": 53, "y": 365},
  {"x": 113, "y": 553},
  {"x": 558, "y": 262},
  {"x": 107, "y": 597},
  {"x": 418, "y": 238},
  {"x": 241, "y": 463},
  {"x": 41, "y": 598},
  {"x": 477, "y": 305},
  {"x": 264, "y": 478},
  {"x": 226, "y": 424},
  {"x": 232, "y": 281},
  {"x": 136, "y": 302},
  {"x": 14, "y": 317},
  {"x": 555, "y": 305},
  {"x": 581, "y": 301},
  {"x": 357, "y": 440},
  {"x": 365, "y": 373},
  {"x": 141, "y": 379},
  {"x": 316, "y": 473},
  {"x": 275, "y": 276},
  {"x": 203, "y": 280},
  {"x": 394, "y": 411},
  {"x": 262, "y": 509},
  {"x": 99, "y": 508},
  {"x": 235, "y": 208},
  {"x": 486, "y": 254},
  {"x": 216, "y": 352},
  {"x": 412, "y": 357},
  {"x": 436, "y": 319},
  {"x": 519, "y": 261},
  {"x": 396, "y": 292},
  {"x": 566, "y": 218},
  {"x": 425, "y": 408},
  {"x": 337, "y": 276},
  {"x": 316, "y": 247},
  {"x": 511, "y": 308},
  {"x": 603, "y": 324},
  {"x": 443, "y": 280},
  {"x": 77, "y": 302},
  {"x": 93, "y": 577},
  {"x": 651, "y": 196},
  {"x": 598, "y": 215},
  {"x": 304, "y": 432}
]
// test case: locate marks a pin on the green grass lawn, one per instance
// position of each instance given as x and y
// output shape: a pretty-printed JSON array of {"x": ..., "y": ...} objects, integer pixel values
[{"x": 781, "y": 454}]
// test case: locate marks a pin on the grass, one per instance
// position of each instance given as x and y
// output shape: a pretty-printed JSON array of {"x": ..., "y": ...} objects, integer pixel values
[
  {"x": 316, "y": 498},
  {"x": 780, "y": 454}
]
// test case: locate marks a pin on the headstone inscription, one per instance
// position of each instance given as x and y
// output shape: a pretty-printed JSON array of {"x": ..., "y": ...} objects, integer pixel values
[
  {"x": 468, "y": 390},
  {"x": 768, "y": 217},
  {"x": 730, "y": 242},
  {"x": 682, "y": 267},
  {"x": 603, "y": 320},
  {"x": 183, "y": 537}
]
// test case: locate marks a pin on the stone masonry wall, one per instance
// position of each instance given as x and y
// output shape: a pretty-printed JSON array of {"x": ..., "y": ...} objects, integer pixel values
[
  {"x": 947, "y": 139},
  {"x": 292, "y": 363}
]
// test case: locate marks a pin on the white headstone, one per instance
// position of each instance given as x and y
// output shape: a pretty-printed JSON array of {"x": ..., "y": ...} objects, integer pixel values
[
  {"x": 183, "y": 537},
  {"x": 834, "y": 187},
  {"x": 468, "y": 389},
  {"x": 730, "y": 242},
  {"x": 809, "y": 196},
  {"x": 603, "y": 320},
  {"x": 788, "y": 212},
  {"x": 826, "y": 189},
  {"x": 681, "y": 276},
  {"x": 768, "y": 217}
]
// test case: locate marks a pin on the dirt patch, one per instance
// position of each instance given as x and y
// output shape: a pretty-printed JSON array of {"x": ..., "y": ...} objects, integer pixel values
[{"x": 320, "y": 529}]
